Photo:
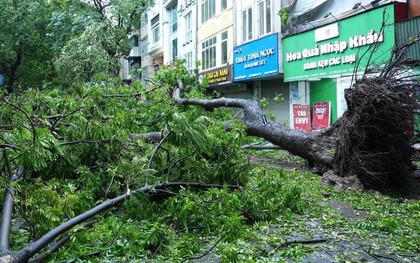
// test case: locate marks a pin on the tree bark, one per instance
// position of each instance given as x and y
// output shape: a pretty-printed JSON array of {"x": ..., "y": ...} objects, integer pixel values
[
  {"x": 7, "y": 211},
  {"x": 312, "y": 147},
  {"x": 33, "y": 248},
  {"x": 13, "y": 72},
  {"x": 366, "y": 148}
]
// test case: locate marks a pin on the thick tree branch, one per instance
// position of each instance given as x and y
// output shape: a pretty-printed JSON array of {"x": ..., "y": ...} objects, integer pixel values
[
  {"x": 7, "y": 212},
  {"x": 52, "y": 249},
  {"x": 30, "y": 250},
  {"x": 256, "y": 122},
  {"x": 61, "y": 242},
  {"x": 100, "y": 7},
  {"x": 149, "y": 136},
  {"x": 14, "y": 68}
]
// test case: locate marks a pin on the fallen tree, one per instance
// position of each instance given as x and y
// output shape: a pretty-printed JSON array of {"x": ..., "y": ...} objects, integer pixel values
[
  {"x": 99, "y": 153},
  {"x": 72, "y": 159},
  {"x": 370, "y": 143}
]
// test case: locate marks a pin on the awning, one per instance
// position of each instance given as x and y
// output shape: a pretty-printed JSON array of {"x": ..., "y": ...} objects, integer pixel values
[{"x": 302, "y": 7}]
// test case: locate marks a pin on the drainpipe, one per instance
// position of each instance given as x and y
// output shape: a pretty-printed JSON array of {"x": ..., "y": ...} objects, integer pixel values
[
  {"x": 234, "y": 22},
  {"x": 196, "y": 39}
]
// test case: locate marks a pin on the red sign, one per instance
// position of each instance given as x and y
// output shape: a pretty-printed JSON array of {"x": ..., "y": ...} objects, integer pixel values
[
  {"x": 321, "y": 115},
  {"x": 302, "y": 117}
]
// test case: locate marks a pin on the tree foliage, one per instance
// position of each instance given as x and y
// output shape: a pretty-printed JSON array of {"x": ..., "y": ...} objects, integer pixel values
[
  {"x": 81, "y": 164},
  {"x": 79, "y": 150},
  {"x": 96, "y": 51},
  {"x": 24, "y": 52},
  {"x": 48, "y": 43}
]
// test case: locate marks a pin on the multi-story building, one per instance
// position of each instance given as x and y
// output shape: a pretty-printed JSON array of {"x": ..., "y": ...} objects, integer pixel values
[
  {"x": 131, "y": 64},
  {"x": 215, "y": 42},
  {"x": 245, "y": 52},
  {"x": 187, "y": 32},
  {"x": 168, "y": 32},
  {"x": 257, "y": 55},
  {"x": 152, "y": 40},
  {"x": 146, "y": 61},
  {"x": 328, "y": 45}
]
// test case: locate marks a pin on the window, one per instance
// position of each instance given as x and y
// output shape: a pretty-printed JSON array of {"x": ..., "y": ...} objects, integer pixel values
[
  {"x": 144, "y": 48},
  {"x": 267, "y": 16},
  {"x": 208, "y": 9},
  {"x": 174, "y": 18},
  {"x": 143, "y": 19},
  {"x": 264, "y": 17},
  {"x": 175, "y": 48},
  {"x": 224, "y": 4},
  {"x": 134, "y": 67},
  {"x": 188, "y": 36},
  {"x": 247, "y": 24},
  {"x": 188, "y": 61},
  {"x": 224, "y": 47},
  {"x": 208, "y": 53},
  {"x": 134, "y": 41},
  {"x": 155, "y": 30}
]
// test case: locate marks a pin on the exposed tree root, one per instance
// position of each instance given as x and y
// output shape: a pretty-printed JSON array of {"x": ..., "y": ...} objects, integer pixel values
[{"x": 374, "y": 139}]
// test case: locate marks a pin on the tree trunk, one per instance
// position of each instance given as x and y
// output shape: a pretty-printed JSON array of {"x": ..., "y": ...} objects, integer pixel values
[
  {"x": 369, "y": 143},
  {"x": 23, "y": 255},
  {"x": 7, "y": 212},
  {"x": 312, "y": 147},
  {"x": 13, "y": 72}
]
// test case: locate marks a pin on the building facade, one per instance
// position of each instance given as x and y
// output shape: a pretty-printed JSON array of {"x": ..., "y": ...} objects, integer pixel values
[
  {"x": 257, "y": 64},
  {"x": 131, "y": 64},
  {"x": 300, "y": 64},
  {"x": 215, "y": 43},
  {"x": 323, "y": 57}
]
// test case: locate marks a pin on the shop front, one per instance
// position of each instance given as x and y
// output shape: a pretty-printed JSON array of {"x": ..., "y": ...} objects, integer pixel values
[
  {"x": 320, "y": 64},
  {"x": 217, "y": 78},
  {"x": 256, "y": 65}
]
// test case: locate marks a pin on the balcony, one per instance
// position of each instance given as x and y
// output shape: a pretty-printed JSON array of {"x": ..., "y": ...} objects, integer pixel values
[{"x": 134, "y": 52}]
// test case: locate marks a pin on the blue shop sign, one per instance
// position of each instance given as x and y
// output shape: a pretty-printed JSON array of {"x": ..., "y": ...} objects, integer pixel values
[{"x": 257, "y": 59}]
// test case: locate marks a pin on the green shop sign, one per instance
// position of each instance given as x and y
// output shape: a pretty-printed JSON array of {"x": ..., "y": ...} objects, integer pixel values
[{"x": 335, "y": 49}]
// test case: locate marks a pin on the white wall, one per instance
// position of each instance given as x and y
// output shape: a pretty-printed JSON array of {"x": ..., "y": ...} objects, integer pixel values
[
  {"x": 245, "y": 4},
  {"x": 185, "y": 47}
]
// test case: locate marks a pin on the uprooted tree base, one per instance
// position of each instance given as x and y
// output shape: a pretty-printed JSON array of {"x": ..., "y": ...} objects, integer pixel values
[{"x": 373, "y": 140}]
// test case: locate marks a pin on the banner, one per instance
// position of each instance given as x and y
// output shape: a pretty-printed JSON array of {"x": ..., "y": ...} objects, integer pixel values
[
  {"x": 256, "y": 59},
  {"x": 302, "y": 117},
  {"x": 218, "y": 76},
  {"x": 336, "y": 49},
  {"x": 321, "y": 115}
]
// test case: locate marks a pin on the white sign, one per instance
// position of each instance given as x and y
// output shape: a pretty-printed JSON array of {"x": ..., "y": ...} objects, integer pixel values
[{"x": 326, "y": 32}]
